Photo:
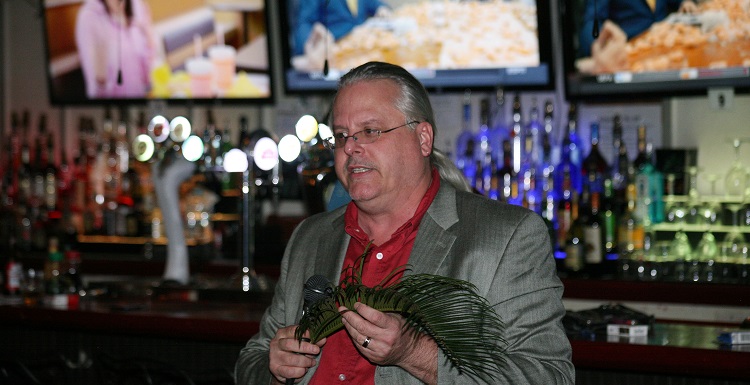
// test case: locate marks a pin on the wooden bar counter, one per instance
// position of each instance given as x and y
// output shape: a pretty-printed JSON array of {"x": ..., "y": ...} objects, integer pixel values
[{"x": 198, "y": 334}]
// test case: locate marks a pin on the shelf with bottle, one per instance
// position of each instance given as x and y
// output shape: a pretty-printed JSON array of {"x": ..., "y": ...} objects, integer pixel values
[
  {"x": 129, "y": 240},
  {"x": 697, "y": 228}
]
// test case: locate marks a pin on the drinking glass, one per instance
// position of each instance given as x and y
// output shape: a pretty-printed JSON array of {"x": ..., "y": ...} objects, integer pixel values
[
  {"x": 682, "y": 254},
  {"x": 694, "y": 204},
  {"x": 711, "y": 208},
  {"x": 735, "y": 234},
  {"x": 742, "y": 260},
  {"x": 736, "y": 178},
  {"x": 676, "y": 211},
  {"x": 706, "y": 254}
]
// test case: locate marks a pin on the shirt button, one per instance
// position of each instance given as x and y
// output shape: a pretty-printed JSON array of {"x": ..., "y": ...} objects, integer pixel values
[
  {"x": 379, "y": 256},
  {"x": 342, "y": 377}
]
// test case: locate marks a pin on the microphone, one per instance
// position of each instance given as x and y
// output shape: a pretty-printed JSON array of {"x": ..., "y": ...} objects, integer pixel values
[
  {"x": 317, "y": 288},
  {"x": 325, "y": 61},
  {"x": 595, "y": 29}
]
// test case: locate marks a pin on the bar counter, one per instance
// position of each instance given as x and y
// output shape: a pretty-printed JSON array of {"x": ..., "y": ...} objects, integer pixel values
[{"x": 151, "y": 325}]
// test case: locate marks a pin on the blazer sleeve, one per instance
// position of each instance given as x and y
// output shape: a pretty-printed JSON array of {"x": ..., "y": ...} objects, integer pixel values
[
  {"x": 506, "y": 252},
  {"x": 527, "y": 294},
  {"x": 252, "y": 365}
]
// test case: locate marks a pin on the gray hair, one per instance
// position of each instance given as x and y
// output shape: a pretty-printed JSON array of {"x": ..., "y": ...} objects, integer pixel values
[{"x": 414, "y": 104}]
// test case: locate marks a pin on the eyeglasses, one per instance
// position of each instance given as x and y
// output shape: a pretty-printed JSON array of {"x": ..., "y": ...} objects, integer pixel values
[{"x": 368, "y": 135}]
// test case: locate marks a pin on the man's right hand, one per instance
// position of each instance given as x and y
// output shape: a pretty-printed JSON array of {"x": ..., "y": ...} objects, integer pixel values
[{"x": 290, "y": 358}]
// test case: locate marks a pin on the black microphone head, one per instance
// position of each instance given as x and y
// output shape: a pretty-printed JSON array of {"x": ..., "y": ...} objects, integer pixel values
[{"x": 317, "y": 288}]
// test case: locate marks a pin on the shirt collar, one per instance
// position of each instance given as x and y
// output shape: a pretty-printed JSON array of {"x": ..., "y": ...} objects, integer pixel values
[{"x": 352, "y": 214}]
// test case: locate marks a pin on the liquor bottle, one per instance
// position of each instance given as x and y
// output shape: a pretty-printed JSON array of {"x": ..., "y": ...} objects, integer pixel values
[
  {"x": 499, "y": 130},
  {"x": 565, "y": 210},
  {"x": 466, "y": 136},
  {"x": 50, "y": 178},
  {"x": 65, "y": 176},
  {"x": 25, "y": 175},
  {"x": 478, "y": 181},
  {"x": 494, "y": 192},
  {"x": 507, "y": 177},
  {"x": 527, "y": 176},
  {"x": 534, "y": 129},
  {"x": 546, "y": 167},
  {"x": 549, "y": 206},
  {"x": 594, "y": 168},
  {"x": 122, "y": 142},
  {"x": 38, "y": 174},
  {"x": 622, "y": 170},
  {"x": 594, "y": 233},
  {"x": 14, "y": 157},
  {"x": 571, "y": 148},
  {"x": 53, "y": 273},
  {"x": 643, "y": 156},
  {"x": 488, "y": 171},
  {"x": 650, "y": 183},
  {"x": 570, "y": 156},
  {"x": 630, "y": 232},
  {"x": 575, "y": 241},
  {"x": 610, "y": 221},
  {"x": 516, "y": 134},
  {"x": 112, "y": 186},
  {"x": 482, "y": 141}
]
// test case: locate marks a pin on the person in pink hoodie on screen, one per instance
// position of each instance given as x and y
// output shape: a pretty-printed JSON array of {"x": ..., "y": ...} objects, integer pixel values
[{"x": 116, "y": 47}]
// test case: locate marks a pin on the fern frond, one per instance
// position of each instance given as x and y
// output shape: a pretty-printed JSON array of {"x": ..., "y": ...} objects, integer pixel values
[{"x": 461, "y": 322}]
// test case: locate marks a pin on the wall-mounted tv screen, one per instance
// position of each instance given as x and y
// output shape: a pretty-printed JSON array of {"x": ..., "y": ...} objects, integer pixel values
[
  {"x": 675, "y": 48},
  {"x": 104, "y": 51},
  {"x": 448, "y": 45}
]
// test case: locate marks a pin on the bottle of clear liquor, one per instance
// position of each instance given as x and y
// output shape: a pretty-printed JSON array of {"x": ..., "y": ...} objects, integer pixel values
[
  {"x": 466, "y": 136},
  {"x": 570, "y": 155}
]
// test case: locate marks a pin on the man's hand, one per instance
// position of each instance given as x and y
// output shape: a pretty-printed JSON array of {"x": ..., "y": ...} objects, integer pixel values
[
  {"x": 389, "y": 343},
  {"x": 608, "y": 50},
  {"x": 688, "y": 6},
  {"x": 289, "y": 358}
]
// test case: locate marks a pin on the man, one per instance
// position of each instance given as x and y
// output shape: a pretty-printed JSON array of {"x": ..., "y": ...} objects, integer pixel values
[
  {"x": 633, "y": 17},
  {"x": 338, "y": 16},
  {"x": 405, "y": 202}
]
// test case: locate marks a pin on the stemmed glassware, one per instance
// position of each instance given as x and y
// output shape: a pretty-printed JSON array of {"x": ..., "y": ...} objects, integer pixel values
[
  {"x": 682, "y": 255},
  {"x": 711, "y": 208},
  {"x": 736, "y": 178},
  {"x": 676, "y": 211},
  {"x": 706, "y": 254}
]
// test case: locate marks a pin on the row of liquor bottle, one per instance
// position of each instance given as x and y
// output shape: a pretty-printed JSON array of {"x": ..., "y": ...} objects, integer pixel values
[
  {"x": 104, "y": 190},
  {"x": 595, "y": 211}
]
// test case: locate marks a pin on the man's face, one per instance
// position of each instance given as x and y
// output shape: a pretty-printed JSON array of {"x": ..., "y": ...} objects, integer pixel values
[{"x": 390, "y": 170}]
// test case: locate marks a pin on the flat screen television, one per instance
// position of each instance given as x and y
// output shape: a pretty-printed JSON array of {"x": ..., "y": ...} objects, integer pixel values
[
  {"x": 448, "y": 45},
  {"x": 665, "y": 52},
  {"x": 139, "y": 50}
]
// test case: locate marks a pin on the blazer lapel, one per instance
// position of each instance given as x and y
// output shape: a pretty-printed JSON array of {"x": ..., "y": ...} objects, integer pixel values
[
  {"x": 434, "y": 241},
  {"x": 335, "y": 244}
]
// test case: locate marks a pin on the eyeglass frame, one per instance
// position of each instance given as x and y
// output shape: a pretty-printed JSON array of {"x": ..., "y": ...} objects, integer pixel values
[{"x": 330, "y": 142}]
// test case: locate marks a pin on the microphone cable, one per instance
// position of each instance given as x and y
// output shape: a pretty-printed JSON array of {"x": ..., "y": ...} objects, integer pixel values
[
  {"x": 595, "y": 29},
  {"x": 119, "y": 48},
  {"x": 325, "y": 24}
]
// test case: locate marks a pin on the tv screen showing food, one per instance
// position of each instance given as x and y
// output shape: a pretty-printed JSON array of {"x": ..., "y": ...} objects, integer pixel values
[
  {"x": 446, "y": 44},
  {"x": 621, "y": 47}
]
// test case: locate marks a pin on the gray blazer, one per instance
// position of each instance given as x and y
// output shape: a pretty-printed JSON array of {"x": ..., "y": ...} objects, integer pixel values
[{"x": 503, "y": 249}]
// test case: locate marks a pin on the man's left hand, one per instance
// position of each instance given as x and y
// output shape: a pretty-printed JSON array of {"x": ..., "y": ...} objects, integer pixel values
[{"x": 383, "y": 339}]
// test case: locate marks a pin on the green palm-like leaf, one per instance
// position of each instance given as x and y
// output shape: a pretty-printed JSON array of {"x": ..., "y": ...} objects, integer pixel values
[{"x": 463, "y": 324}]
